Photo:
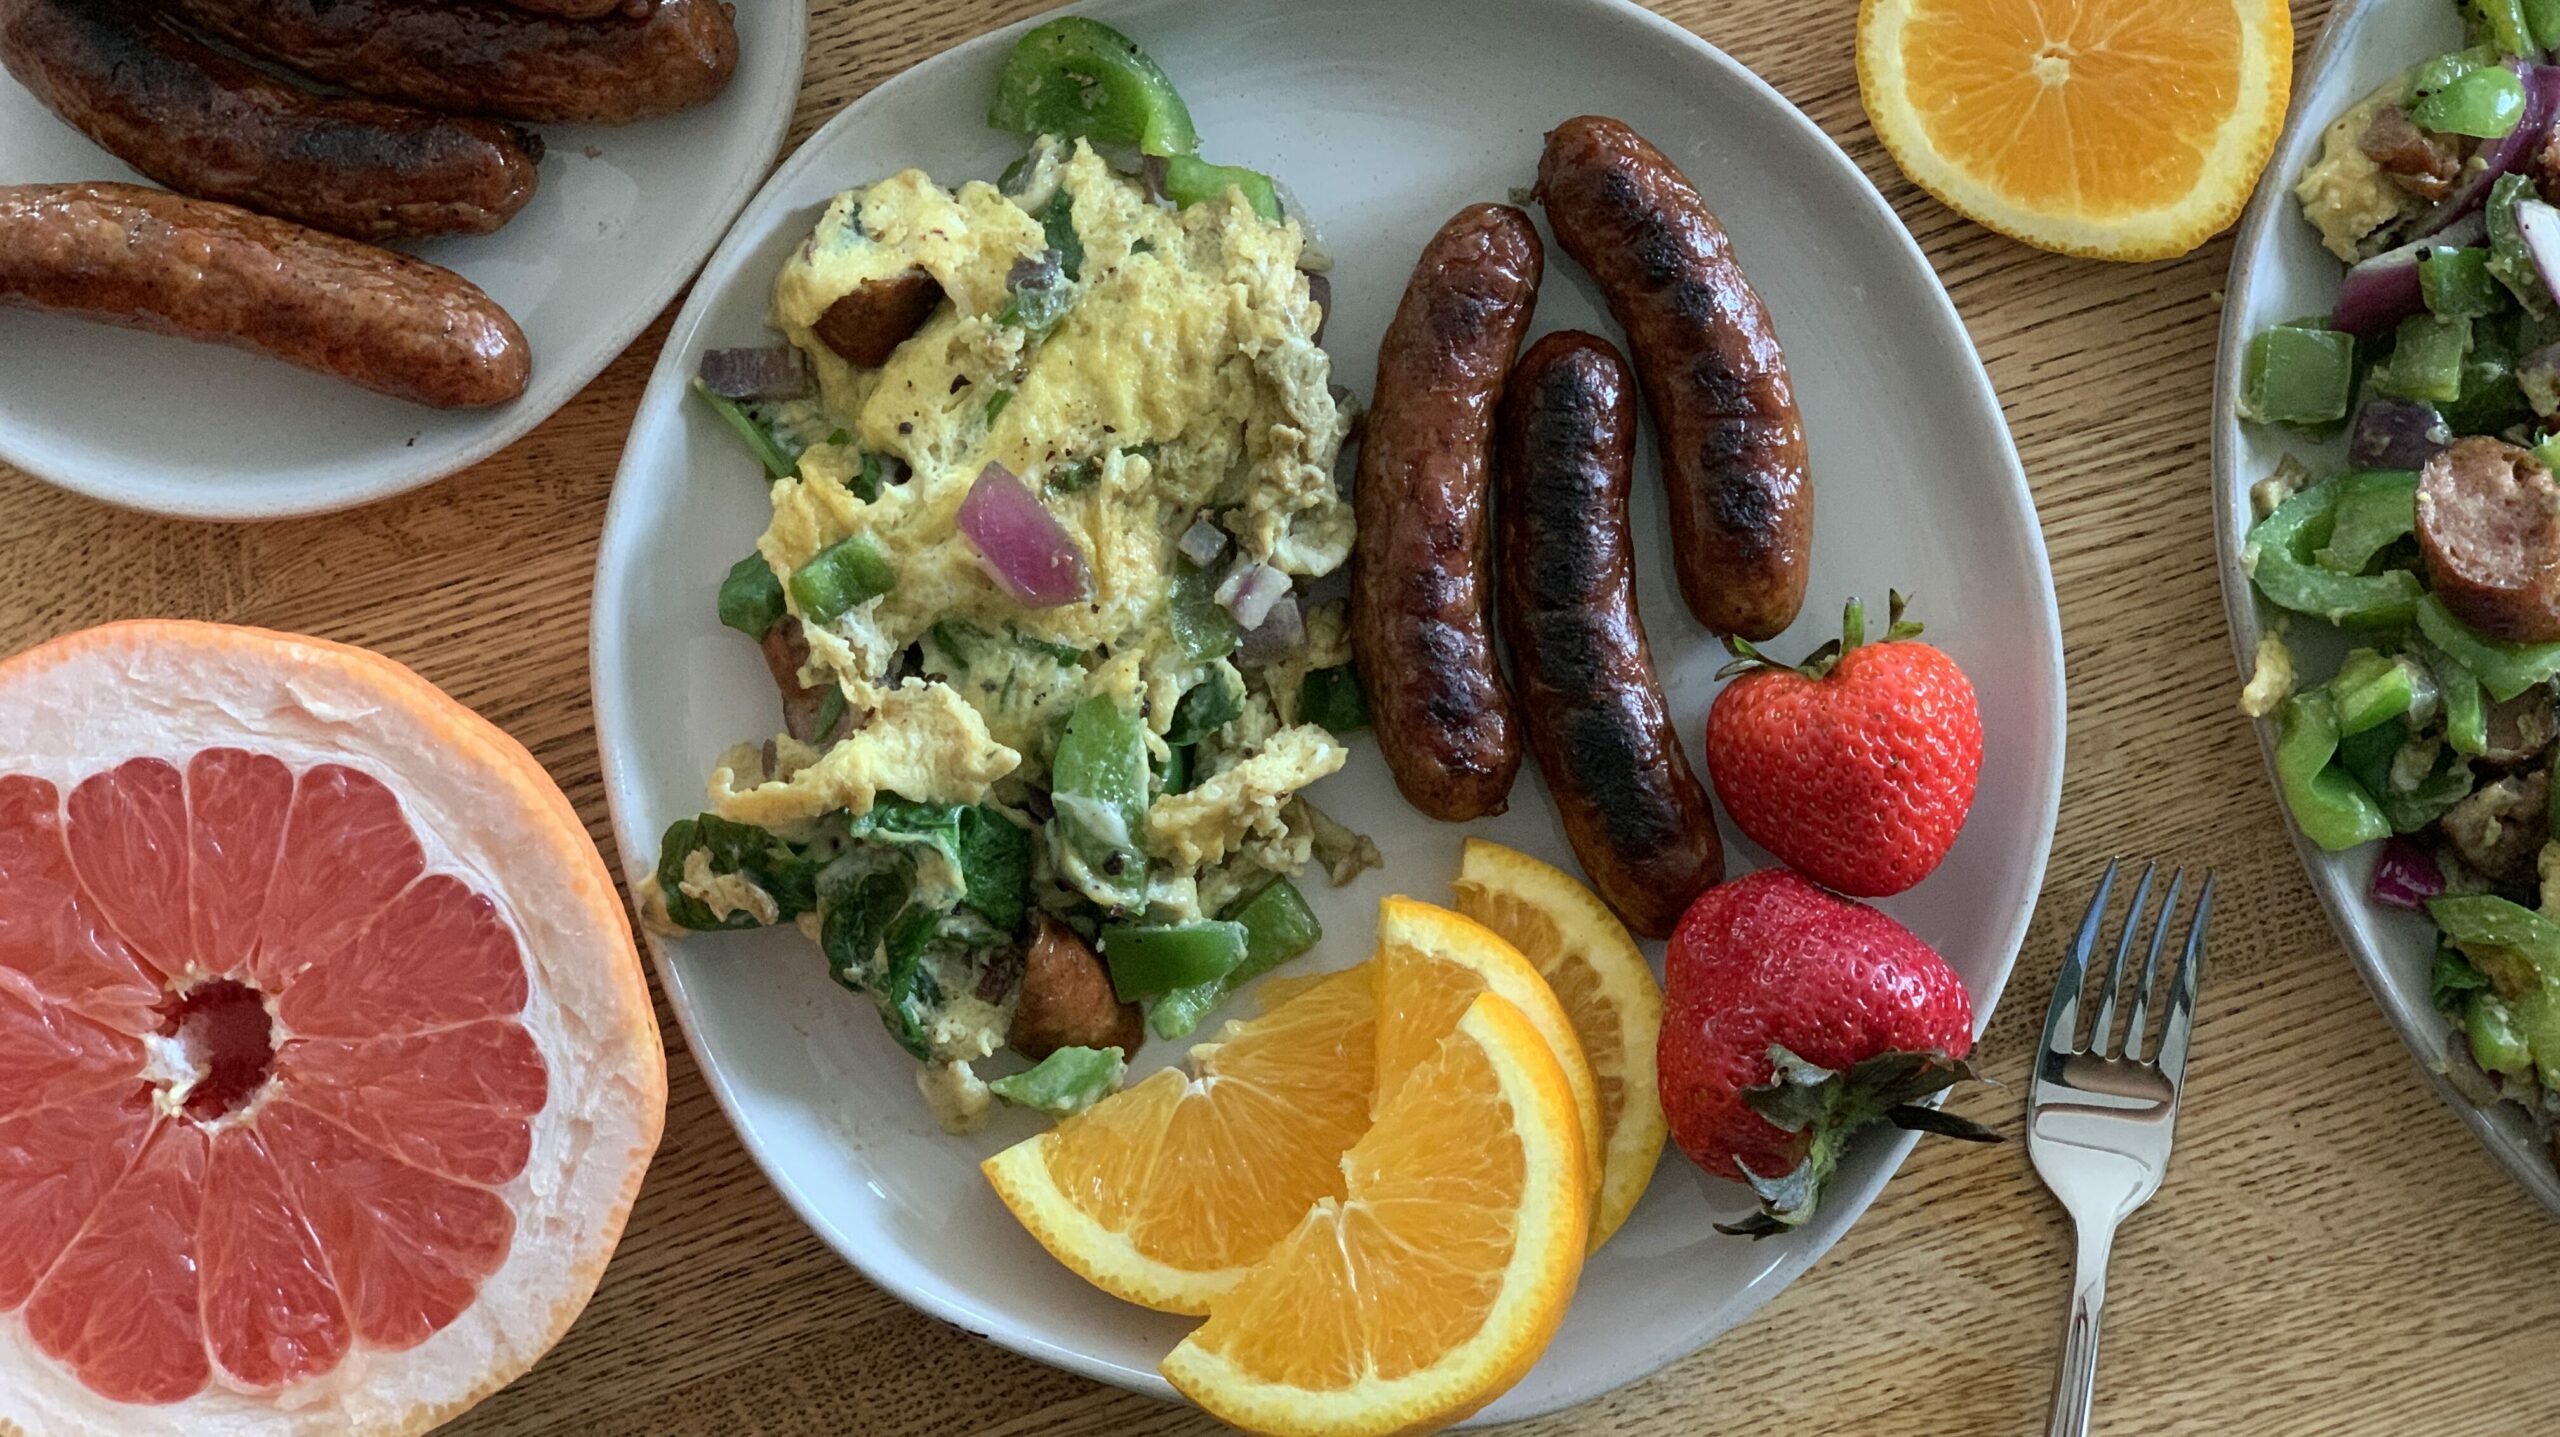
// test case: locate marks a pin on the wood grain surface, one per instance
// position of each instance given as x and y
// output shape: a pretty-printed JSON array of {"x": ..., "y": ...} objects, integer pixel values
[{"x": 2333, "y": 1254}]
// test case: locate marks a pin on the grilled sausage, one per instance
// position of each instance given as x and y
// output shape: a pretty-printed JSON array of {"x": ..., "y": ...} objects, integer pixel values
[
  {"x": 583, "y": 9},
  {"x": 148, "y": 259},
  {"x": 804, "y": 705},
  {"x": 207, "y": 125},
  {"x": 1067, "y": 1001},
  {"x": 470, "y": 57},
  {"x": 2489, "y": 529},
  {"x": 1636, "y": 814},
  {"x": 1420, "y": 627},
  {"x": 874, "y": 318},
  {"x": 1733, "y": 452}
]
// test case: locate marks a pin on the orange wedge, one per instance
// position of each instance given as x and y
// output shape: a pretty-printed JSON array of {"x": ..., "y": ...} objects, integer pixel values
[
  {"x": 1430, "y": 965},
  {"x": 1165, "y": 1194},
  {"x": 1433, "y": 1282},
  {"x": 2114, "y": 129},
  {"x": 1608, "y": 993}
]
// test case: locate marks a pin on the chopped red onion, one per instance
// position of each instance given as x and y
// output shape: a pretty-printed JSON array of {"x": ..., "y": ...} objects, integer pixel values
[
  {"x": 1281, "y": 633},
  {"x": 2382, "y": 291},
  {"x": 771, "y": 372},
  {"x": 2538, "y": 225},
  {"x": 1202, "y": 543},
  {"x": 2405, "y": 876},
  {"x": 2400, "y": 433},
  {"x": 2495, "y": 157},
  {"x": 1249, "y": 590},
  {"x": 1023, "y": 545}
]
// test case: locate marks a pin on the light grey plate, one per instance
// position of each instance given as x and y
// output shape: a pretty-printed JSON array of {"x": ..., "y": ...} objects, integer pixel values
[
  {"x": 1358, "y": 108},
  {"x": 623, "y": 216},
  {"x": 2279, "y": 271}
]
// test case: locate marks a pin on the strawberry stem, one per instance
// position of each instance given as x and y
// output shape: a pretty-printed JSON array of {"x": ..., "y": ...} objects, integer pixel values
[{"x": 1828, "y": 1108}]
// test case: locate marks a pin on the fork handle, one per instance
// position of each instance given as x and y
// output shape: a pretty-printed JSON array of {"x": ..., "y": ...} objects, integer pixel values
[{"x": 2076, "y": 1384}]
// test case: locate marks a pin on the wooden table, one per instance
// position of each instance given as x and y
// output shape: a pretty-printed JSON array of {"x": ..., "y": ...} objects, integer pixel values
[{"x": 2333, "y": 1254}]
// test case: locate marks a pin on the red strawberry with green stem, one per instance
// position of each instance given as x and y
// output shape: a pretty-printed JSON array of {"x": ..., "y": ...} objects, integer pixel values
[
  {"x": 1793, "y": 1018},
  {"x": 1855, "y": 768}
]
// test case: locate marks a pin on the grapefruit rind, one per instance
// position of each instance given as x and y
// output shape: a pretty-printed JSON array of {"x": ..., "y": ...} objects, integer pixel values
[{"x": 486, "y": 812}]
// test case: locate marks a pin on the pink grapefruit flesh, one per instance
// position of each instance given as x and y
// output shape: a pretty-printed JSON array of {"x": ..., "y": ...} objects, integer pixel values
[{"x": 261, "y": 1074}]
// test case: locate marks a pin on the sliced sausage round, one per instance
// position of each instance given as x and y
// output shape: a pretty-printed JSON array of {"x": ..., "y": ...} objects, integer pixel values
[
  {"x": 868, "y": 323},
  {"x": 1067, "y": 1000},
  {"x": 2489, "y": 529}
]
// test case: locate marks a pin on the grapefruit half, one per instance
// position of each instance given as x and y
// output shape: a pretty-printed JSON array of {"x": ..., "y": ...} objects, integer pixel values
[{"x": 327, "y": 1071}]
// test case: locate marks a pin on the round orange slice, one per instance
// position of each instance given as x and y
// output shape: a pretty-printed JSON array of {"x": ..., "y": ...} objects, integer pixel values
[
  {"x": 327, "y": 1071},
  {"x": 1437, "y": 1277},
  {"x": 1165, "y": 1194},
  {"x": 2115, "y": 129}
]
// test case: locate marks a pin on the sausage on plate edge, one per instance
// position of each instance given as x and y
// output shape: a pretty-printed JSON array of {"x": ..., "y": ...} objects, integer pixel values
[
  {"x": 1733, "y": 451},
  {"x": 1634, "y": 810},
  {"x": 207, "y": 125},
  {"x": 147, "y": 259},
  {"x": 2489, "y": 531},
  {"x": 1421, "y": 580}
]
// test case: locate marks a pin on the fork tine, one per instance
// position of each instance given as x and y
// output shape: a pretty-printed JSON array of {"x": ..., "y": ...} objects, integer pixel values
[
  {"x": 2137, "y": 1017},
  {"x": 2172, "y": 1061},
  {"x": 2104, "y": 1024},
  {"x": 2063, "y": 1018}
]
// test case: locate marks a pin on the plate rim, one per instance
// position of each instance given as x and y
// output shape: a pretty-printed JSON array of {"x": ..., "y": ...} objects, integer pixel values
[
  {"x": 552, "y": 391},
  {"x": 2422, "y": 1032},
  {"x": 666, "y": 386}
]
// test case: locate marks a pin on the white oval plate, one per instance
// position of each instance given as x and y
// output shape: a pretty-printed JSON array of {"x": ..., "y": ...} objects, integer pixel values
[
  {"x": 622, "y": 217},
  {"x": 2278, "y": 271},
  {"x": 1358, "y": 108}
]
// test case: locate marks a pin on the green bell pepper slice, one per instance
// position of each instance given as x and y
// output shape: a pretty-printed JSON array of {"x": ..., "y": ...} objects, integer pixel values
[
  {"x": 1189, "y": 181},
  {"x": 2504, "y": 669},
  {"x": 2466, "y": 709},
  {"x": 1098, "y": 786},
  {"x": 2376, "y": 508},
  {"x": 1150, "y": 959},
  {"x": 2278, "y": 559},
  {"x": 2426, "y": 359},
  {"x": 1064, "y": 1083},
  {"x": 751, "y": 597},
  {"x": 2294, "y": 374},
  {"x": 1079, "y": 78},
  {"x": 2510, "y": 259},
  {"x": 2498, "y": 1042},
  {"x": 2370, "y": 689},
  {"x": 2484, "y": 104},
  {"x": 849, "y": 572},
  {"x": 1278, "y": 926},
  {"x": 2457, "y": 283},
  {"x": 2330, "y": 808}
]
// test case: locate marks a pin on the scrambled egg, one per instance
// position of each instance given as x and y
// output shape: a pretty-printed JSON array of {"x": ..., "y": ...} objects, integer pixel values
[
  {"x": 1182, "y": 379},
  {"x": 2344, "y": 193}
]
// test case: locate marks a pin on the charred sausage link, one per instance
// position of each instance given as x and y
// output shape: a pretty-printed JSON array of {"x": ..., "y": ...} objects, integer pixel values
[
  {"x": 1733, "y": 453},
  {"x": 207, "y": 125},
  {"x": 1634, "y": 810},
  {"x": 2489, "y": 531},
  {"x": 471, "y": 57},
  {"x": 1421, "y": 627},
  {"x": 148, "y": 259}
]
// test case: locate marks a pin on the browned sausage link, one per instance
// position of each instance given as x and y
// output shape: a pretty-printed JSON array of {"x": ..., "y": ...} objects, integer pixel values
[
  {"x": 581, "y": 9},
  {"x": 1420, "y": 594},
  {"x": 875, "y": 317},
  {"x": 1635, "y": 812},
  {"x": 786, "y": 654},
  {"x": 208, "y": 125},
  {"x": 475, "y": 58},
  {"x": 2489, "y": 528},
  {"x": 1732, "y": 448},
  {"x": 148, "y": 259},
  {"x": 1067, "y": 1000}
]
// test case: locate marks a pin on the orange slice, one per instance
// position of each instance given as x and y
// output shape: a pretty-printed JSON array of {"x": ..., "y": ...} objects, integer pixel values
[
  {"x": 327, "y": 1072},
  {"x": 1166, "y": 1193},
  {"x": 1432, "y": 1283},
  {"x": 1607, "y": 991},
  {"x": 1431, "y": 964},
  {"x": 2115, "y": 129}
]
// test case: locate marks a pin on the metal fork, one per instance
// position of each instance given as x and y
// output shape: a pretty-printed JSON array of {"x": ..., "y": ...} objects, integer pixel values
[{"x": 2099, "y": 1119}]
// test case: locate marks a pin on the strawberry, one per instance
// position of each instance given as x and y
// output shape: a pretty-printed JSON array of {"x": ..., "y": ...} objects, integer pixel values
[
  {"x": 1855, "y": 768},
  {"x": 1792, "y": 1018}
]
